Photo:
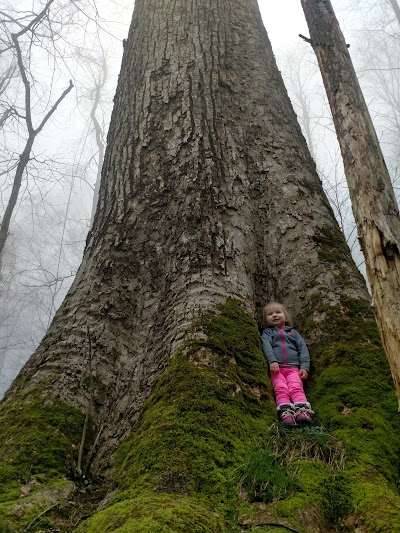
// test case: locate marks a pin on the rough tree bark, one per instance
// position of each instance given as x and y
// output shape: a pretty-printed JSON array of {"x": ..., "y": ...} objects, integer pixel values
[
  {"x": 373, "y": 200},
  {"x": 209, "y": 208},
  {"x": 208, "y": 193}
]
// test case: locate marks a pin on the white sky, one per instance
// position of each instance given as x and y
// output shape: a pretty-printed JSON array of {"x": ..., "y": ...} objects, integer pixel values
[{"x": 284, "y": 20}]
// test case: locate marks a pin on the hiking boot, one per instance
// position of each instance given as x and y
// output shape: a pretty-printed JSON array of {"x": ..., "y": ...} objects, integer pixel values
[
  {"x": 303, "y": 413},
  {"x": 287, "y": 414}
]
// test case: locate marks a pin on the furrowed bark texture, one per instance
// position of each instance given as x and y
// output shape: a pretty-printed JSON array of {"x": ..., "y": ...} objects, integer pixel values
[
  {"x": 373, "y": 201},
  {"x": 208, "y": 191}
]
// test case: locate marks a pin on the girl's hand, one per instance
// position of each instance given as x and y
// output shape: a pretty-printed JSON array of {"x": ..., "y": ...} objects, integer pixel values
[
  {"x": 303, "y": 374},
  {"x": 274, "y": 368}
]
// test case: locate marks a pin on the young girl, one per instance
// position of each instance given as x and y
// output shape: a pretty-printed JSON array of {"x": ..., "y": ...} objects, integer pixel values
[{"x": 289, "y": 364}]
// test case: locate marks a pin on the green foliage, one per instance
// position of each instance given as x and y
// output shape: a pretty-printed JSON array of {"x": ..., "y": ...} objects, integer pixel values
[{"x": 265, "y": 478}]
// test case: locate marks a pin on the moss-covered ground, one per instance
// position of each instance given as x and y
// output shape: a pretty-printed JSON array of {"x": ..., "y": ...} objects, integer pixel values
[
  {"x": 207, "y": 454},
  {"x": 352, "y": 392},
  {"x": 179, "y": 469},
  {"x": 39, "y": 438}
]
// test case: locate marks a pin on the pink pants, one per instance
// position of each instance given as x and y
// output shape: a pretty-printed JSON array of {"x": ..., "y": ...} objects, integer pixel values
[{"x": 288, "y": 386}]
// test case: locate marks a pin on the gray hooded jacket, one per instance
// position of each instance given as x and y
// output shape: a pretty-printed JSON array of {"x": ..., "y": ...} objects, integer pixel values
[{"x": 286, "y": 347}]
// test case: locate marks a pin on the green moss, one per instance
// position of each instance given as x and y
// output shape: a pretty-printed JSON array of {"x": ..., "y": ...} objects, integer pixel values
[
  {"x": 206, "y": 434},
  {"x": 264, "y": 477},
  {"x": 376, "y": 506},
  {"x": 37, "y": 437},
  {"x": 150, "y": 511},
  {"x": 210, "y": 409},
  {"x": 353, "y": 395},
  {"x": 337, "y": 497},
  {"x": 34, "y": 509},
  {"x": 4, "y": 526},
  {"x": 332, "y": 246},
  {"x": 206, "y": 411}
]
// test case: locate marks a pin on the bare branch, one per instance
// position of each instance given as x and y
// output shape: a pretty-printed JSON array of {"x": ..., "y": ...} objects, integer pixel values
[
  {"x": 36, "y": 20},
  {"x": 53, "y": 109}
]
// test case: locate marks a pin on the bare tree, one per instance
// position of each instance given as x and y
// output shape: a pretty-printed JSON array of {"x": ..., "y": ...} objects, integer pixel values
[
  {"x": 396, "y": 8},
  {"x": 304, "y": 84},
  {"x": 373, "y": 200},
  {"x": 57, "y": 184},
  {"x": 97, "y": 71},
  {"x": 300, "y": 74},
  {"x": 32, "y": 130}
]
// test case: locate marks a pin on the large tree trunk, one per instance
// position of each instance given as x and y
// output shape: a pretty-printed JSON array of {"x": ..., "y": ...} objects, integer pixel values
[
  {"x": 373, "y": 200},
  {"x": 208, "y": 193}
]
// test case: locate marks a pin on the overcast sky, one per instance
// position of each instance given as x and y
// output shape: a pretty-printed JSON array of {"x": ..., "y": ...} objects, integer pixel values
[{"x": 284, "y": 20}]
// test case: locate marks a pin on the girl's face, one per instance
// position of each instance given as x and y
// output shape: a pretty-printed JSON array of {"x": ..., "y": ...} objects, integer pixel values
[{"x": 275, "y": 316}]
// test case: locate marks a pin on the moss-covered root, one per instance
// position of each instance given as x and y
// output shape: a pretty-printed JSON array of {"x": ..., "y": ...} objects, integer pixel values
[
  {"x": 38, "y": 434},
  {"x": 347, "y": 478},
  {"x": 178, "y": 470},
  {"x": 353, "y": 395}
]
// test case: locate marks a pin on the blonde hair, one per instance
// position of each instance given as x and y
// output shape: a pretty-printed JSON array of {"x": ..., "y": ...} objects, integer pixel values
[{"x": 288, "y": 316}]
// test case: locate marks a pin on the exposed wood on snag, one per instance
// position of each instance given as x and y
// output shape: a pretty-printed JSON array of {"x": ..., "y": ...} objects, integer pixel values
[{"x": 373, "y": 201}]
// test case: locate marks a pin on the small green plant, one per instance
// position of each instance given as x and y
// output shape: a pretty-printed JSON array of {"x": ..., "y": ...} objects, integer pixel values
[
  {"x": 265, "y": 478},
  {"x": 337, "y": 496},
  {"x": 4, "y": 527},
  {"x": 312, "y": 442}
]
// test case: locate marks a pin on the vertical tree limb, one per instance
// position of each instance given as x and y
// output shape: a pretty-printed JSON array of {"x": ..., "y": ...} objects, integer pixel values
[
  {"x": 396, "y": 8},
  {"x": 373, "y": 200}
]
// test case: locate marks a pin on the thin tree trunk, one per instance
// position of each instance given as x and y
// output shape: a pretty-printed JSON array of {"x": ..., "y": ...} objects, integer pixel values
[
  {"x": 99, "y": 134},
  {"x": 32, "y": 132},
  {"x": 22, "y": 163},
  {"x": 373, "y": 201},
  {"x": 396, "y": 9}
]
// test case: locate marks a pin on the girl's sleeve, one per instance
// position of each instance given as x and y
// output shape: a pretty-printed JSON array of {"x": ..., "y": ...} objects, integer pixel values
[
  {"x": 303, "y": 353},
  {"x": 267, "y": 349}
]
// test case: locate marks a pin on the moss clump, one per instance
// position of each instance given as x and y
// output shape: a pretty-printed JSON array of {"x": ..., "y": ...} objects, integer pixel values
[
  {"x": 337, "y": 497},
  {"x": 38, "y": 433},
  {"x": 178, "y": 470},
  {"x": 332, "y": 245},
  {"x": 265, "y": 478},
  {"x": 4, "y": 526},
  {"x": 352, "y": 392},
  {"x": 150, "y": 511}
]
